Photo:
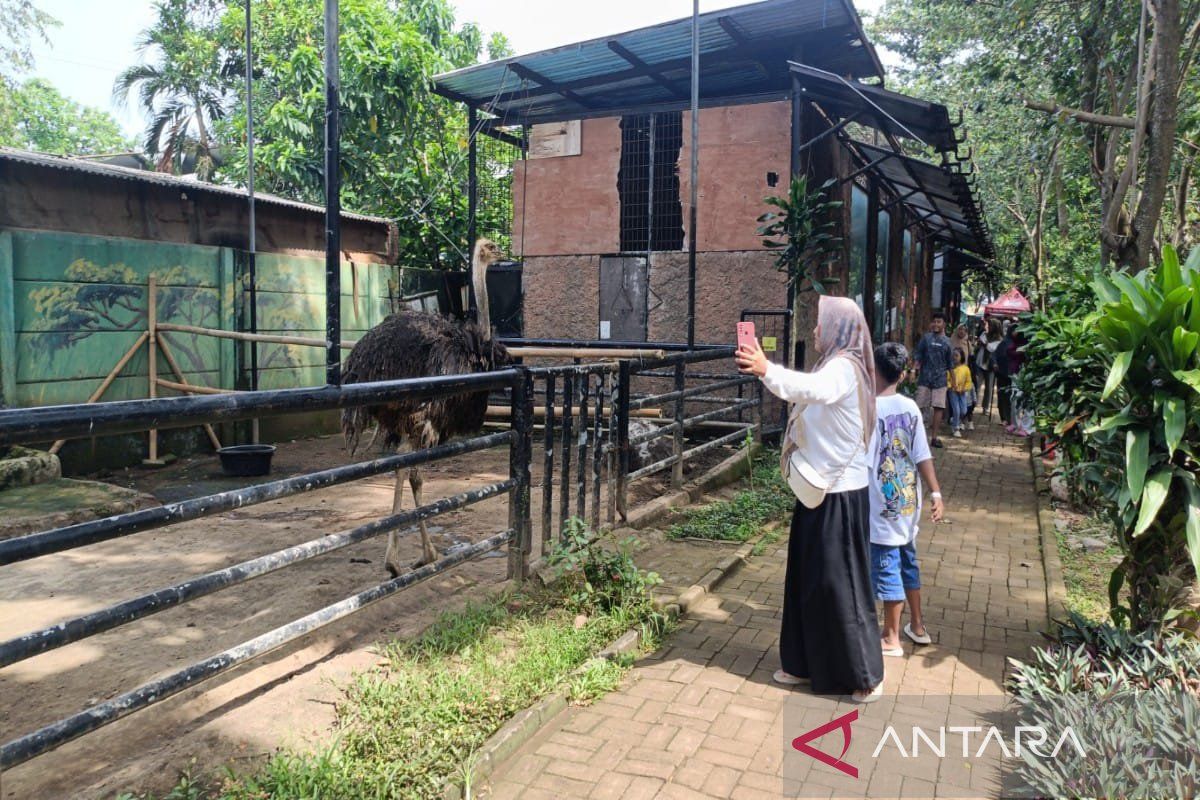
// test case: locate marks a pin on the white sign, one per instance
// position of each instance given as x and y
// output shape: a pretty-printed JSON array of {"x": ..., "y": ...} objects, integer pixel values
[{"x": 605, "y": 329}]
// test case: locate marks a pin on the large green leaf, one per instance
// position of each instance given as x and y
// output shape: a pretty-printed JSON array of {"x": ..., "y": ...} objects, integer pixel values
[
  {"x": 1153, "y": 497},
  {"x": 1173, "y": 301},
  {"x": 1192, "y": 529},
  {"x": 1117, "y": 332},
  {"x": 1106, "y": 290},
  {"x": 1137, "y": 459},
  {"x": 1120, "y": 366},
  {"x": 1189, "y": 376},
  {"x": 1133, "y": 292},
  {"x": 1193, "y": 262},
  {"x": 1174, "y": 421},
  {"x": 1183, "y": 344},
  {"x": 1172, "y": 276},
  {"x": 1110, "y": 422}
]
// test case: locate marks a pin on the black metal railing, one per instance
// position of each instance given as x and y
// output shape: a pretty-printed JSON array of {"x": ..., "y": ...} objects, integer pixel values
[
  {"x": 585, "y": 412},
  {"x": 49, "y": 423}
]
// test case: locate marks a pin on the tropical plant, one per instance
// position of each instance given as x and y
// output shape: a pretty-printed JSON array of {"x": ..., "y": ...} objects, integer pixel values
[
  {"x": 601, "y": 571},
  {"x": 1145, "y": 432},
  {"x": 800, "y": 232},
  {"x": 186, "y": 89},
  {"x": 1131, "y": 698}
]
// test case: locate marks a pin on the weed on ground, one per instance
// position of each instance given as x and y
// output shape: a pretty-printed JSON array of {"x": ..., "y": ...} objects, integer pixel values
[{"x": 767, "y": 499}]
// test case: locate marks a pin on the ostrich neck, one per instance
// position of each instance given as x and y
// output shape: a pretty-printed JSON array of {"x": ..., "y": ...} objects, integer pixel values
[{"x": 479, "y": 281}]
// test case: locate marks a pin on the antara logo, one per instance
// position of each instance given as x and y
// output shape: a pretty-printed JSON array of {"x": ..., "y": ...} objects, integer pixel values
[
  {"x": 1025, "y": 738},
  {"x": 801, "y": 743}
]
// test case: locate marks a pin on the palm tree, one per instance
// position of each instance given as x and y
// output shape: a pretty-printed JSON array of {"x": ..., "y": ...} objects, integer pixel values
[{"x": 184, "y": 90}]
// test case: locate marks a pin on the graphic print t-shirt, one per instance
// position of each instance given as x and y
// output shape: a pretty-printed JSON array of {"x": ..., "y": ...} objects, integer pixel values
[{"x": 899, "y": 444}]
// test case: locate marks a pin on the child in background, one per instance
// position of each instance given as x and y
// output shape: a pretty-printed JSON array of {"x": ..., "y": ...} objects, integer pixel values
[
  {"x": 899, "y": 451},
  {"x": 961, "y": 386}
]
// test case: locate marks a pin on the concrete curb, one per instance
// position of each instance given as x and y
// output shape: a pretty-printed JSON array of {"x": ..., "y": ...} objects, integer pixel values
[
  {"x": 1056, "y": 586},
  {"x": 723, "y": 474},
  {"x": 526, "y": 724}
]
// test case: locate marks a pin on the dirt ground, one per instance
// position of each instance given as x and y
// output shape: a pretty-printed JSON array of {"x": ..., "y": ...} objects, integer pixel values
[{"x": 283, "y": 699}]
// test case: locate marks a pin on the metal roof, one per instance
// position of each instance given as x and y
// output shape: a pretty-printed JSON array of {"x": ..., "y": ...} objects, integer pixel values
[
  {"x": 99, "y": 169},
  {"x": 943, "y": 197},
  {"x": 876, "y": 107},
  {"x": 743, "y": 54}
]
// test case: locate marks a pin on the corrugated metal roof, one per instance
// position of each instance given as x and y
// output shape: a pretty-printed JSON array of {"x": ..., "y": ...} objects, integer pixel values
[
  {"x": 743, "y": 51},
  {"x": 113, "y": 171},
  {"x": 886, "y": 111},
  {"x": 942, "y": 194}
]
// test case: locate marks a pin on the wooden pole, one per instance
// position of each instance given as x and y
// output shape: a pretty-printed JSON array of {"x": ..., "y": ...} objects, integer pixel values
[
  {"x": 108, "y": 381},
  {"x": 170, "y": 357},
  {"x": 152, "y": 330},
  {"x": 191, "y": 388}
]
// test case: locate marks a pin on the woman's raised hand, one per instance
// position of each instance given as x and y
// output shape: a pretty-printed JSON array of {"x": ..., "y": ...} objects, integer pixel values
[{"x": 752, "y": 361}]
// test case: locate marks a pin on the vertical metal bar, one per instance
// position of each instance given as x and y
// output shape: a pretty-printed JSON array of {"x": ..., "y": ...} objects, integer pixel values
[
  {"x": 333, "y": 202},
  {"x": 520, "y": 458},
  {"x": 472, "y": 180},
  {"x": 548, "y": 470},
  {"x": 568, "y": 422},
  {"x": 152, "y": 326},
  {"x": 650, "y": 194},
  {"x": 798, "y": 167},
  {"x": 252, "y": 225},
  {"x": 624, "y": 376},
  {"x": 692, "y": 229},
  {"x": 677, "y": 467},
  {"x": 613, "y": 459},
  {"x": 581, "y": 482},
  {"x": 598, "y": 449}
]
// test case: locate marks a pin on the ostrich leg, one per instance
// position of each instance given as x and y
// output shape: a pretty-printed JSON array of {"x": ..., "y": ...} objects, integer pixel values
[
  {"x": 391, "y": 559},
  {"x": 429, "y": 553}
]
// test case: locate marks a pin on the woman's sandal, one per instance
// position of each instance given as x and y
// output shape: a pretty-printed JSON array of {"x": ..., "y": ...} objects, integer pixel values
[
  {"x": 787, "y": 679},
  {"x": 867, "y": 695}
]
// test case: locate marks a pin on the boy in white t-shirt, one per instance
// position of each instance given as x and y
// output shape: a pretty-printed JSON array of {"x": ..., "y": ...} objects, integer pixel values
[{"x": 899, "y": 451}]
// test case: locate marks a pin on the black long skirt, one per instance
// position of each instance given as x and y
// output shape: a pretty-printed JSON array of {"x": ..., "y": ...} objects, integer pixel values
[{"x": 830, "y": 631}]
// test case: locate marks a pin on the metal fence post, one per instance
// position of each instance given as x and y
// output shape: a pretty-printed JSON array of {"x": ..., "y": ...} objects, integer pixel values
[
  {"x": 677, "y": 469},
  {"x": 520, "y": 456},
  {"x": 624, "y": 374}
]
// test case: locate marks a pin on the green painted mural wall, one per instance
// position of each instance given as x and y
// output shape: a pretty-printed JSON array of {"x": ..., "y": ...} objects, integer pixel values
[{"x": 71, "y": 306}]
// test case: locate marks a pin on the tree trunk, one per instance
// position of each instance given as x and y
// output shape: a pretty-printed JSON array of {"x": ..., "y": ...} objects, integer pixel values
[{"x": 1163, "y": 122}]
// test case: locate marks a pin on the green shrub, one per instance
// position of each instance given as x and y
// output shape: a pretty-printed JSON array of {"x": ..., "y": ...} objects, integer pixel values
[
  {"x": 1132, "y": 699},
  {"x": 601, "y": 572},
  {"x": 1120, "y": 383},
  {"x": 740, "y": 519}
]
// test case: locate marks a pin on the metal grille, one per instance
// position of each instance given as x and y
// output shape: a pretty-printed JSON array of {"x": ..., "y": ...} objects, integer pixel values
[
  {"x": 497, "y": 161},
  {"x": 648, "y": 183}
]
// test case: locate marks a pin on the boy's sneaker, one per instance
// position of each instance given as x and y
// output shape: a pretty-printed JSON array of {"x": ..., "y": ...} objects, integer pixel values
[
  {"x": 971, "y": 426},
  {"x": 957, "y": 433}
]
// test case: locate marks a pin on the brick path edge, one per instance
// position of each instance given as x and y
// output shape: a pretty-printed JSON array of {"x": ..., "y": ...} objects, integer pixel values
[{"x": 1056, "y": 586}]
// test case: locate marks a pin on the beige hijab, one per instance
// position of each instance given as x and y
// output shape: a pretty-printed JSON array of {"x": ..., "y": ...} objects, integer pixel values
[
  {"x": 962, "y": 342},
  {"x": 844, "y": 334}
]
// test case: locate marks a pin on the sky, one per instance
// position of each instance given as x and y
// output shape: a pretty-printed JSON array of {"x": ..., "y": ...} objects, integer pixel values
[{"x": 97, "y": 40}]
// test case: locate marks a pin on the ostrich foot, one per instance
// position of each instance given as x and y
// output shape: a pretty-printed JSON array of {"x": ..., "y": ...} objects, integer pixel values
[
  {"x": 394, "y": 569},
  {"x": 428, "y": 557}
]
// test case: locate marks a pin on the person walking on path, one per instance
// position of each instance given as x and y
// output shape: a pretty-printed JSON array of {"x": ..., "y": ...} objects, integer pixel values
[
  {"x": 1002, "y": 364},
  {"x": 961, "y": 389},
  {"x": 830, "y": 634},
  {"x": 985, "y": 383},
  {"x": 899, "y": 452},
  {"x": 933, "y": 362}
]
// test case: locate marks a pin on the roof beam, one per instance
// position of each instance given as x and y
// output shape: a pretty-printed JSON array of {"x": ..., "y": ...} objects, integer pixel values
[
  {"x": 733, "y": 30},
  {"x": 554, "y": 88},
  {"x": 650, "y": 71}
]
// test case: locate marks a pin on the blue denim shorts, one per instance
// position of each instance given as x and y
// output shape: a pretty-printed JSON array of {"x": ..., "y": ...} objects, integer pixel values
[{"x": 893, "y": 570}]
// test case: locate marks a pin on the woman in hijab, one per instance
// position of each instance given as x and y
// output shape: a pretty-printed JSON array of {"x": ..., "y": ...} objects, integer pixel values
[
  {"x": 961, "y": 340},
  {"x": 830, "y": 635}
]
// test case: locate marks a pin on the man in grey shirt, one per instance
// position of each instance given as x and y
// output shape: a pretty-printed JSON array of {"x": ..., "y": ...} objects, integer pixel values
[{"x": 933, "y": 358}]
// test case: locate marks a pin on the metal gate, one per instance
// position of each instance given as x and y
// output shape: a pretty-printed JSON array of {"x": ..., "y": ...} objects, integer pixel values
[{"x": 624, "y": 283}]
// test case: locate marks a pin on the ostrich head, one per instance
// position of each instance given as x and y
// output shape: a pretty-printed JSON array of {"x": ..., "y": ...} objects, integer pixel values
[{"x": 486, "y": 254}]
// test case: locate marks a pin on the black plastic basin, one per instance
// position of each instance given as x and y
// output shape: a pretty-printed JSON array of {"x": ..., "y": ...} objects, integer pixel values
[{"x": 246, "y": 459}]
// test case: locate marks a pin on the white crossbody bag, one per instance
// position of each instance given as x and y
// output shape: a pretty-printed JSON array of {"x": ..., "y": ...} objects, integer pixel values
[{"x": 809, "y": 486}]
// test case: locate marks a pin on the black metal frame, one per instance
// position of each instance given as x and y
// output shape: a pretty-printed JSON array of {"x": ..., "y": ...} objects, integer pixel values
[{"x": 41, "y": 424}]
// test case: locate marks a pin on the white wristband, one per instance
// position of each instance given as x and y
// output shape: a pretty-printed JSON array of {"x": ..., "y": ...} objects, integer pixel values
[{"x": 936, "y": 495}]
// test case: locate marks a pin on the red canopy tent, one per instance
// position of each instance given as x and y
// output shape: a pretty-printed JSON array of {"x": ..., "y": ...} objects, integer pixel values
[{"x": 1011, "y": 304}]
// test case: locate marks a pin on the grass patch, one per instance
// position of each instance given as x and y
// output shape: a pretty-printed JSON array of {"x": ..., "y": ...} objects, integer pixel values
[
  {"x": 407, "y": 728},
  {"x": 740, "y": 519},
  {"x": 1086, "y": 573}
]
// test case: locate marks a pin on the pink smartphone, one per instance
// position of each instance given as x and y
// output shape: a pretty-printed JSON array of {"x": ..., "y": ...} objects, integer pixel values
[{"x": 745, "y": 335}]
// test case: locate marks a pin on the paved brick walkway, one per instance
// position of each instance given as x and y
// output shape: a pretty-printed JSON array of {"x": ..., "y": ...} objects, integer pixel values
[{"x": 701, "y": 717}]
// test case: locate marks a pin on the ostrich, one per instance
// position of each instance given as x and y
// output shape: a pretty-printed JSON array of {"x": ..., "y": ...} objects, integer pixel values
[{"x": 416, "y": 344}]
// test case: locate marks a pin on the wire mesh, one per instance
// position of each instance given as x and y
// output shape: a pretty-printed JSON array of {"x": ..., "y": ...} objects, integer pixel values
[{"x": 648, "y": 182}]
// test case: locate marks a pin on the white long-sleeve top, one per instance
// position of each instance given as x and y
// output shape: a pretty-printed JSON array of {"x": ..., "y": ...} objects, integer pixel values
[{"x": 833, "y": 428}]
